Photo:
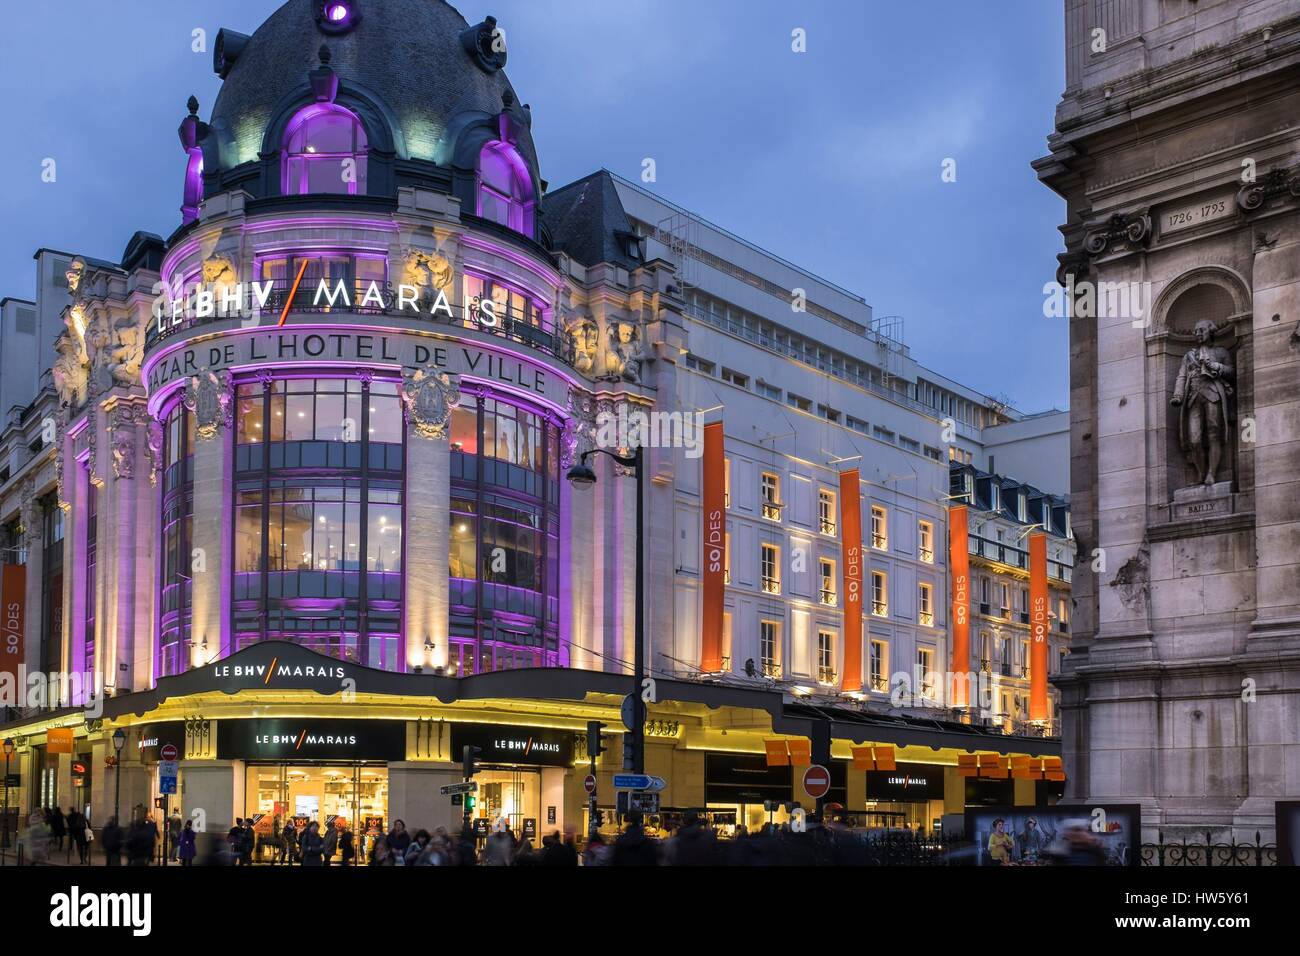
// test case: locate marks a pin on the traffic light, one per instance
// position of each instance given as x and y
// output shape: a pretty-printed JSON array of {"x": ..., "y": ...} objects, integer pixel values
[
  {"x": 469, "y": 803},
  {"x": 469, "y": 758},
  {"x": 629, "y": 751},
  {"x": 594, "y": 749}
]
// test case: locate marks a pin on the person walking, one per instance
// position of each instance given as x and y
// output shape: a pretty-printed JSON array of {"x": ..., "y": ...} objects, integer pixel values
[
  {"x": 58, "y": 827},
  {"x": 331, "y": 842},
  {"x": 633, "y": 847},
  {"x": 112, "y": 841},
  {"x": 398, "y": 839},
  {"x": 347, "y": 848},
  {"x": 186, "y": 849},
  {"x": 77, "y": 833},
  {"x": 174, "y": 824},
  {"x": 289, "y": 843},
  {"x": 233, "y": 839},
  {"x": 312, "y": 845},
  {"x": 246, "y": 843}
]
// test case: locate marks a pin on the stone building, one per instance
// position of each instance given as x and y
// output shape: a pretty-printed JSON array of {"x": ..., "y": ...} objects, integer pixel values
[
  {"x": 304, "y": 516},
  {"x": 1176, "y": 149}
]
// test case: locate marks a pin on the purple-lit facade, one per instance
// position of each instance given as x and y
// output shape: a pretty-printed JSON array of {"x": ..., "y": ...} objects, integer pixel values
[{"x": 310, "y": 456}]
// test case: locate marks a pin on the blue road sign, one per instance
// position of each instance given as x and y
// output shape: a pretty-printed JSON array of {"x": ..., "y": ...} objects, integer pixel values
[{"x": 638, "y": 781}]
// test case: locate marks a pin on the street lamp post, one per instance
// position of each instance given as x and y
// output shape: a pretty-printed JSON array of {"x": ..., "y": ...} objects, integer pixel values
[
  {"x": 581, "y": 476},
  {"x": 4, "y": 836},
  {"x": 119, "y": 741}
]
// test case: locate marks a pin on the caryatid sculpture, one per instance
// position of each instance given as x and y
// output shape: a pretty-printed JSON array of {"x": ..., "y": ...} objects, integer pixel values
[{"x": 1201, "y": 393}]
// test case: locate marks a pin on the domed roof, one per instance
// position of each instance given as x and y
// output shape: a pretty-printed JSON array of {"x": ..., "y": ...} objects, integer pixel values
[{"x": 406, "y": 54}]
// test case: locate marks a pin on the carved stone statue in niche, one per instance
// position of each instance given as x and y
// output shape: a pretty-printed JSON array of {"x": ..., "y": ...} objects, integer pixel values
[
  {"x": 219, "y": 274},
  {"x": 586, "y": 344},
  {"x": 209, "y": 396},
  {"x": 429, "y": 397},
  {"x": 1202, "y": 394},
  {"x": 126, "y": 351},
  {"x": 624, "y": 357}
]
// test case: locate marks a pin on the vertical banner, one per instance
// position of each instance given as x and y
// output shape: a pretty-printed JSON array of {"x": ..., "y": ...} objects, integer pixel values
[
  {"x": 1038, "y": 605},
  {"x": 714, "y": 524},
  {"x": 851, "y": 576},
  {"x": 959, "y": 566},
  {"x": 13, "y": 598}
]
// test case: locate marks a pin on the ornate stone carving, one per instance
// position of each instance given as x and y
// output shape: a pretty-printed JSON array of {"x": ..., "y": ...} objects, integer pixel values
[
  {"x": 209, "y": 395},
  {"x": 1202, "y": 394},
  {"x": 585, "y": 337},
  {"x": 122, "y": 436},
  {"x": 219, "y": 274},
  {"x": 73, "y": 275},
  {"x": 154, "y": 449},
  {"x": 125, "y": 351},
  {"x": 29, "y": 511},
  {"x": 428, "y": 397},
  {"x": 580, "y": 430},
  {"x": 71, "y": 369},
  {"x": 430, "y": 272},
  {"x": 1133, "y": 228},
  {"x": 1276, "y": 182},
  {"x": 624, "y": 356},
  {"x": 1133, "y": 581}
]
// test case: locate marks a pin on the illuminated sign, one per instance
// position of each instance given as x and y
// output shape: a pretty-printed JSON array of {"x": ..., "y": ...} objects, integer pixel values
[
  {"x": 851, "y": 549},
  {"x": 291, "y": 738},
  {"x": 959, "y": 565},
  {"x": 715, "y": 549},
  {"x": 528, "y": 745}
]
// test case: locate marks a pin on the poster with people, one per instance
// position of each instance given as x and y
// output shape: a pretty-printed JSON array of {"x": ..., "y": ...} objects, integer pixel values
[{"x": 1103, "y": 835}]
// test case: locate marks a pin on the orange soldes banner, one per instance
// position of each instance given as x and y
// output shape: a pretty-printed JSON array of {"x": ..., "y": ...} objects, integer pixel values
[
  {"x": 1039, "y": 709},
  {"x": 851, "y": 575},
  {"x": 13, "y": 598},
  {"x": 715, "y": 549},
  {"x": 959, "y": 564}
]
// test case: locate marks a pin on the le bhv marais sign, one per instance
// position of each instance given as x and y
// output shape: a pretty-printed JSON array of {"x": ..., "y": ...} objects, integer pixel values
[{"x": 262, "y": 348}]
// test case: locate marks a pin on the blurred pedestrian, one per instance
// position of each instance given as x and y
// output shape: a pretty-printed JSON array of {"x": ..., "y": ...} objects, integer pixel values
[
  {"x": 186, "y": 849},
  {"x": 347, "y": 849},
  {"x": 331, "y": 843},
  {"x": 633, "y": 847},
  {"x": 312, "y": 846},
  {"x": 112, "y": 839}
]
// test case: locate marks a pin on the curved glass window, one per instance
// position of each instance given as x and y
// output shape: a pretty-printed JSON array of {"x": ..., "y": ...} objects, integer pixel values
[
  {"x": 318, "y": 516},
  {"x": 504, "y": 541},
  {"x": 176, "y": 597},
  {"x": 325, "y": 151},
  {"x": 505, "y": 188}
]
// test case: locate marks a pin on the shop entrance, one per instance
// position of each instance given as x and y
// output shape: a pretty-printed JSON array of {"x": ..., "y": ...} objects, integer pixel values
[
  {"x": 348, "y": 796},
  {"x": 512, "y": 793}
]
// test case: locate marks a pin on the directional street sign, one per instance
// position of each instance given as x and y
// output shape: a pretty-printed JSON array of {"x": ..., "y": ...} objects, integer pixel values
[
  {"x": 453, "y": 788},
  {"x": 638, "y": 781}
]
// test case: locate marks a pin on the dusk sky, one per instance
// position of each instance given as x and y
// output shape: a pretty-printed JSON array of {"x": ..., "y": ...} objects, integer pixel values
[{"x": 831, "y": 158}]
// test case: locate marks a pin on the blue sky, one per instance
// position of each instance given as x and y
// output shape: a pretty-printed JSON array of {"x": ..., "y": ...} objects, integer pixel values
[{"x": 829, "y": 158}]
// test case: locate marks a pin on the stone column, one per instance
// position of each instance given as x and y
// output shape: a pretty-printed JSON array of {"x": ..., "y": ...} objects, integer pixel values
[
  {"x": 209, "y": 542},
  {"x": 428, "y": 397},
  {"x": 213, "y": 789},
  {"x": 413, "y": 795},
  {"x": 577, "y": 546}
]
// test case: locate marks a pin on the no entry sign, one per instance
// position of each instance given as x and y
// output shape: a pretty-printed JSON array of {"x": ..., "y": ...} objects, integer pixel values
[
  {"x": 589, "y": 784},
  {"x": 816, "y": 781},
  {"x": 168, "y": 752}
]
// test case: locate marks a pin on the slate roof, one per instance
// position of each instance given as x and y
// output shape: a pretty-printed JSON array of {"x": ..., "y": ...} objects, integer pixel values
[
  {"x": 406, "y": 53},
  {"x": 587, "y": 220}
]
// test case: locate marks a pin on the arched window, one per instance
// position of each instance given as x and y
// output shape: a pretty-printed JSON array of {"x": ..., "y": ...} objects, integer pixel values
[
  {"x": 325, "y": 151},
  {"x": 193, "y": 185},
  {"x": 505, "y": 188}
]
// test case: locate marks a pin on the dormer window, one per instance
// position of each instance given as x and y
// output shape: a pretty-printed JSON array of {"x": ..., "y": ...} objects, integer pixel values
[
  {"x": 505, "y": 188},
  {"x": 325, "y": 152}
]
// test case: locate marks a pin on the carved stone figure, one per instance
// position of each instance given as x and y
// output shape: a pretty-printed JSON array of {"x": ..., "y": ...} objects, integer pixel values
[
  {"x": 219, "y": 274},
  {"x": 71, "y": 370},
  {"x": 624, "y": 358},
  {"x": 73, "y": 275},
  {"x": 98, "y": 339},
  {"x": 586, "y": 344},
  {"x": 126, "y": 352},
  {"x": 429, "y": 397},
  {"x": 427, "y": 271},
  {"x": 209, "y": 396},
  {"x": 1201, "y": 393}
]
